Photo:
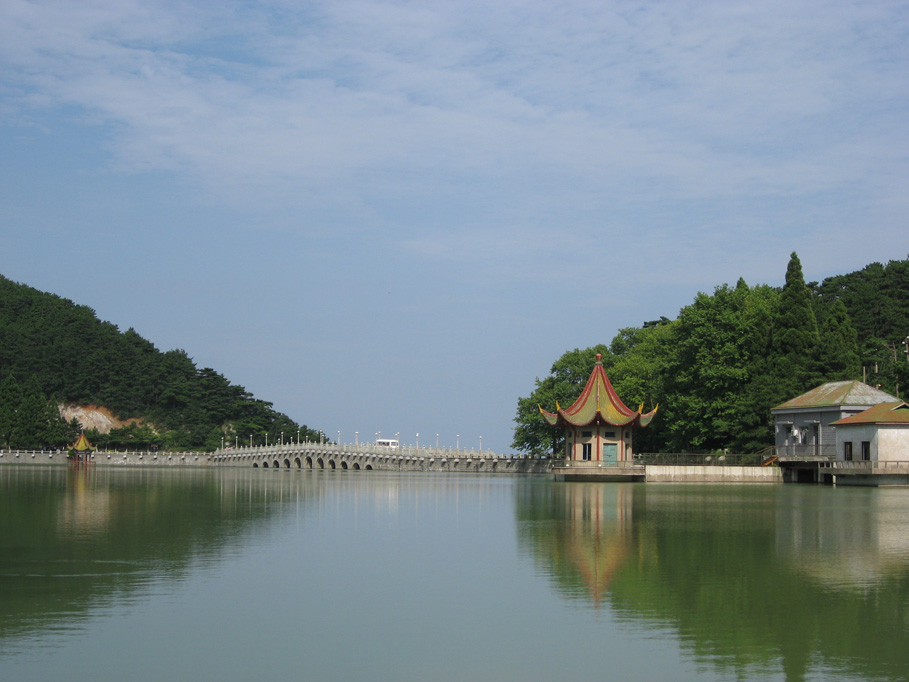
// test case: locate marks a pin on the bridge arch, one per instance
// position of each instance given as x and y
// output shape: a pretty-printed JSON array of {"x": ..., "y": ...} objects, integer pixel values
[
  {"x": 332, "y": 464},
  {"x": 356, "y": 466},
  {"x": 298, "y": 463},
  {"x": 309, "y": 462},
  {"x": 287, "y": 463},
  {"x": 321, "y": 463},
  {"x": 276, "y": 464},
  {"x": 344, "y": 464}
]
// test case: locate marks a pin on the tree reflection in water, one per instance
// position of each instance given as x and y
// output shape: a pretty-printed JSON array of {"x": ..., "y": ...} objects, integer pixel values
[{"x": 750, "y": 577}]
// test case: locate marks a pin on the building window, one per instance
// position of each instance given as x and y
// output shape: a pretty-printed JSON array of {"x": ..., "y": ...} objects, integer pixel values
[
  {"x": 608, "y": 434},
  {"x": 585, "y": 452},
  {"x": 866, "y": 451},
  {"x": 587, "y": 434},
  {"x": 847, "y": 451}
]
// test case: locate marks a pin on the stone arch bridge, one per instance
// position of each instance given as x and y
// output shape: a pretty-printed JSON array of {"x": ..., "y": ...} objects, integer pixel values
[{"x": 369, "y": 457}]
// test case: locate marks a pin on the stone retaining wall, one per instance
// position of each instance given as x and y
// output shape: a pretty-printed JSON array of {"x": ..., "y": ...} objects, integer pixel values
[{"x": 659, "y": 473}]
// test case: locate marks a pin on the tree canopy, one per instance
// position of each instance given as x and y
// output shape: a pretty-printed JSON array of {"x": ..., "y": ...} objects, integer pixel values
[
  {"x": 53, "y": 351},
  {"x": 730, "y": 356}
]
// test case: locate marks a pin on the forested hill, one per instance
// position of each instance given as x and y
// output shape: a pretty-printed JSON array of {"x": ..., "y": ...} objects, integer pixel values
[
  {"x": 53, "y": 351},
  {"x": 730, "y": 356}
]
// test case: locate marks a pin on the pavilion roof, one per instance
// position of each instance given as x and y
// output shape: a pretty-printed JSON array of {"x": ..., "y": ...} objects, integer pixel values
[
  {"x": 884, "y": 413},
  {"x": 598, "y": 403},
  {"x": 82, "y": 443}
]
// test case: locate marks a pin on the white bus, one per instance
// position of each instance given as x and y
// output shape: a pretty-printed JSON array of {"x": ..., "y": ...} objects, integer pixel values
[{"x": 391, "y": 443}]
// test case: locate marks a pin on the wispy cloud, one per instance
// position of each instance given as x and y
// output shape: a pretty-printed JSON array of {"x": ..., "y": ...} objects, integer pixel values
[
  {"x": 491, "y": 165},
  {"x": 500, "y": 122},
  {"x": 700, "y": 97}
]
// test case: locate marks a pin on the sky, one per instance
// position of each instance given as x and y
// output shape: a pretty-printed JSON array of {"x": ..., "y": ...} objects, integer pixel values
[{"x": 393, "y": 216}]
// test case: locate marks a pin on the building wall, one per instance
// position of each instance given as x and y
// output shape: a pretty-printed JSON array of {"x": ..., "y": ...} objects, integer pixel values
[
  {"x": 803, "y": 421},
  {"x": 596, "y": 436},
  {"x": 893, "y": 443},
  {"x": 856, "y": 435},
  {"x": 888, "y": 442}
]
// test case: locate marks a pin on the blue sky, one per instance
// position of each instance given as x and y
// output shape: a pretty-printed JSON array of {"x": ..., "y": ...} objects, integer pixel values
[{"x": 394, "y": 216}]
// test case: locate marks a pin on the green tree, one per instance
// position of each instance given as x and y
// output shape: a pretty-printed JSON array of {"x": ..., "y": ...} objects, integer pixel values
[
  {"x": 38, "y": 423},
  {"x": 796, "y": 340},
  {"x": 638, "y": 374},
  {"x": 561, "y": 387},
  {"x": 719, "y": 344},
  {"x": 839, "y": 348},
  {"x": 10, "y": 400}
]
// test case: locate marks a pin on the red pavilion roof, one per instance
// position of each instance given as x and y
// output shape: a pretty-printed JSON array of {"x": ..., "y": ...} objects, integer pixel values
[{"x": 598, "y": 403}]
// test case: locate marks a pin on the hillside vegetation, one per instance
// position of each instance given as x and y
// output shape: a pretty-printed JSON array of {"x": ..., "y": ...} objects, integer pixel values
[
  {"x": 53, "y": 351},
  {"x": 730, "y": 356}
]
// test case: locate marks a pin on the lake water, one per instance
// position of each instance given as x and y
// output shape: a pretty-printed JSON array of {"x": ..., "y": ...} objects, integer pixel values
[{"x": 223, "y": 575}]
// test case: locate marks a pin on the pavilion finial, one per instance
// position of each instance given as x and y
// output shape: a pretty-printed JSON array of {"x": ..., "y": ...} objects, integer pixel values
[{"x": 599, "y": 358}]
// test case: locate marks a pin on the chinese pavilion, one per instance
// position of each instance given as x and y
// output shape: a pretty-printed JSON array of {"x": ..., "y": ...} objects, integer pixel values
[
  {"x": 598, "y": 426},
  {"x": 81, "y": 450}
]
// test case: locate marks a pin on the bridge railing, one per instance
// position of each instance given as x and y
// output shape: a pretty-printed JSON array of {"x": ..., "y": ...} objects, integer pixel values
[
  {"x": 371, "y": 449},
  {"x": 61, "y": 456}
]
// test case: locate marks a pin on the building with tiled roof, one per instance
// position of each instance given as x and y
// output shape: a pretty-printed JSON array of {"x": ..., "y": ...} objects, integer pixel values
[
  {"x": 804, "y": 424},
  {"x": 598, "y": 425},
  {"x": 880, "y": 434}
]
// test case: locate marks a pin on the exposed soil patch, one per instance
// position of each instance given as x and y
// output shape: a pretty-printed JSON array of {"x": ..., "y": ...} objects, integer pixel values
[{"x": 94, "y": 417}]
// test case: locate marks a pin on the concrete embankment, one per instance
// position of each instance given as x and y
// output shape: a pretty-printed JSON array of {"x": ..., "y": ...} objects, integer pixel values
[{"x": 664, "y": 473}]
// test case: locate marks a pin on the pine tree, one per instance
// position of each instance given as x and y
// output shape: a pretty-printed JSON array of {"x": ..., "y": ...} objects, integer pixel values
[
  {"x": 796, "y": 341},
  {"x": 10, "y": 399},
  {"x": 839, "y": 346},
  {"x": 38, "y": 423}
]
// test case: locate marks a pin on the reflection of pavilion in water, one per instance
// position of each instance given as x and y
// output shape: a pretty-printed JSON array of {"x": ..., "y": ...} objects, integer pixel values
[
  {"x": 84, "y": 508},
  {"x": 594, "y": 537}
]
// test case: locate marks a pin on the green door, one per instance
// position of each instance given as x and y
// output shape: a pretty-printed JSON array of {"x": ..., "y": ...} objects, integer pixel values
[{"x": 610, "y": 453}]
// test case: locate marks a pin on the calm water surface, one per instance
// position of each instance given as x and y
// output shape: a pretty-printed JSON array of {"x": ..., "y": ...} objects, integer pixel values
[{"x": 139, "y": 574}]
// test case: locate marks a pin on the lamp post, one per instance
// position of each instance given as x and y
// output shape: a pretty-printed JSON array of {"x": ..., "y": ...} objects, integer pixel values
[
  {"x": 357, "y": 438},
  {"x": 458, "y": 442},
  {"x": 338, "y": 442},
  {"x": 266, "y": 439},
  {"x": 418, "y": 442},
  {"x": 481, "y": 445}
]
